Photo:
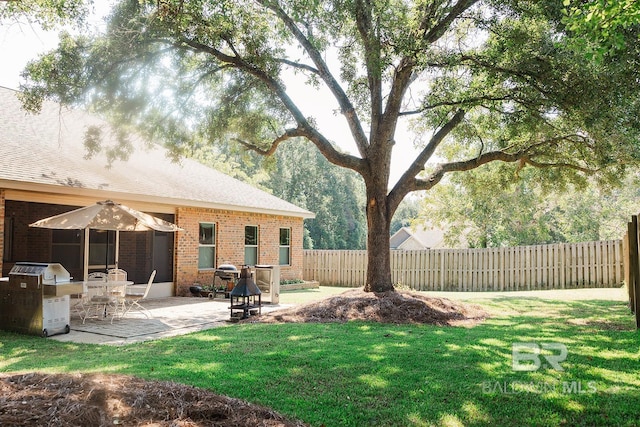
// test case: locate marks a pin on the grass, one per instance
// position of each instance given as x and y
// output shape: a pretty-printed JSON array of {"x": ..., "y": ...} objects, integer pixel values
[{"x": 367, "y": 374}]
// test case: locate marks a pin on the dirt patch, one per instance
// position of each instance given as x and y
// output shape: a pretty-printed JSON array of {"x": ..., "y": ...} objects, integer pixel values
[
  {"x": 398, "y": 307},
  {"x": 598, "y": 325},
  {"x": 107, "y": 400}
]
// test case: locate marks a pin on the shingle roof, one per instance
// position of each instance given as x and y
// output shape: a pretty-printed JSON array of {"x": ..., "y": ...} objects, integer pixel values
[
  {"x": 47, "y": 150},
  {"x": 421, "y": 236}
]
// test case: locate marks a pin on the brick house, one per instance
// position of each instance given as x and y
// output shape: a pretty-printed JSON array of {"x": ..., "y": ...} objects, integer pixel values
[{"x": 45, "y": 170}]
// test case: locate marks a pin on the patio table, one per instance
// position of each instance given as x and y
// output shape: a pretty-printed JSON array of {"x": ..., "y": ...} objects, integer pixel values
[{"x": 110, "y": 295}]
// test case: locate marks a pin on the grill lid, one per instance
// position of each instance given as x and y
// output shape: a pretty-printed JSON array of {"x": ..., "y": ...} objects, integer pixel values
[
  {"x": 226, "y": 271},
  {"x": 51, "y": 273}
]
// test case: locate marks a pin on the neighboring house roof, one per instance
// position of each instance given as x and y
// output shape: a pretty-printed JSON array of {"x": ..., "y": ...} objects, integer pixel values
[
  {"x": 399, "y": 236},
  {"x": 421, "y": 238},
  {"x": 45, "y": 152}
]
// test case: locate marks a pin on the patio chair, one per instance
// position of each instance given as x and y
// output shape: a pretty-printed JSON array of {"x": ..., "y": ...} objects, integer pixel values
[
  {"x": 94, "y": 299},
  {"x": 117, "y": 274},
  {"x": 132, "y": 300},
  {"x": 82, "y": 299}
]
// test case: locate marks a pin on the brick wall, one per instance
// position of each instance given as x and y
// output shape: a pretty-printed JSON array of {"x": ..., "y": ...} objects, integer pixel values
[
  {"x": 34, "y": 244},
  {"x": 230, "y": 243}
]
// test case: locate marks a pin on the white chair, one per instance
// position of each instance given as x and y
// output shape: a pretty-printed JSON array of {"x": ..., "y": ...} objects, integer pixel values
[
  {"x": 94, "y": 298},
  {"x": 117, "y": 275},
  {"x": 132, "y": 300}
]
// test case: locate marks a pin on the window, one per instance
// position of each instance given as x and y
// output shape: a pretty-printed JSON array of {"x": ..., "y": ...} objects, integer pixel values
[
  {"x": 207, "y": 246},
  {"x": 250, "y": 245},
  {"x": 285, "y": 246}
]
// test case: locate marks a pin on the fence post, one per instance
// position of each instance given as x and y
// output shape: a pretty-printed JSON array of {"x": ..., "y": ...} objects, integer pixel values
[
  {"x": 627, "y": 263},
  {"x": 635, "y": 270}
]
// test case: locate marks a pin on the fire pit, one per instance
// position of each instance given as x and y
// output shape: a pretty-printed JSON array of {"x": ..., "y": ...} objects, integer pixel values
[{"x": 245, "y": 296}]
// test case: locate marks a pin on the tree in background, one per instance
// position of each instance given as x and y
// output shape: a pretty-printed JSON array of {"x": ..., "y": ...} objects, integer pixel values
[
  {"x": 299, "y": 174},
  {"x": 482, "y": 81},
  {"x": 489, "y": 209},
  {"x": 303, "y": 176},
  {"x": 242, "y": 167},
  {"x": 406, "y": 214}
]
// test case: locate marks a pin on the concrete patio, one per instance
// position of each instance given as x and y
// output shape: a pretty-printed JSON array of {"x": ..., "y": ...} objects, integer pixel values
[{"x": 171, "y": 316}]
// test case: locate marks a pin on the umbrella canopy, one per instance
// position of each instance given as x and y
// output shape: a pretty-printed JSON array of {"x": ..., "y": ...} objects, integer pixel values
[{"x": 106, "y": 215}]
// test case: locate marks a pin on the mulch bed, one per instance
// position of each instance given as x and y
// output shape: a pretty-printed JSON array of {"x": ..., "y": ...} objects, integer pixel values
[
  {"x": 36, "y": 399},
  {"x": 107, "y": 400},
  {"x": 397, "y": 307}
]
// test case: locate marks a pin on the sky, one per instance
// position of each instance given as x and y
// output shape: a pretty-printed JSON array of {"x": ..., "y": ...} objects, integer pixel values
[
  {"x": 18, "y": 45},
  {"x": 21, "y": 42}
]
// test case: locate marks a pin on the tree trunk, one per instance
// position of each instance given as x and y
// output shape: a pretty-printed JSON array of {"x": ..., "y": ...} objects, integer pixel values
[{"x": 378, "y": 251}]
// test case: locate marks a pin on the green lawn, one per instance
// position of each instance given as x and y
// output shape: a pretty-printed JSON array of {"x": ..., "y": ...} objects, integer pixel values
[{"x": 366, "y": 374}]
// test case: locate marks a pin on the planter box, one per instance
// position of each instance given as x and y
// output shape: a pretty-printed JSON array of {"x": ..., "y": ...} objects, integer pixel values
[{"x": 313, "y": 284}]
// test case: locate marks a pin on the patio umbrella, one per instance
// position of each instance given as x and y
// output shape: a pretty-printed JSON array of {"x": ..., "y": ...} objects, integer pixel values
[{"x": 105, "y": 215}]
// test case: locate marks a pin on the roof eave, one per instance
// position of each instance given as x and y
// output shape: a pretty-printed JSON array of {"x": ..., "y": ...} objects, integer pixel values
[{"x": 168, "y": 201}]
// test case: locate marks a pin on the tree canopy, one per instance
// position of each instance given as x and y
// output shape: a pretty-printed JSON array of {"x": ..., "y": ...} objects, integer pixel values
[
  {"x": 46, "y": 13},
  {"x": 489, "y": 207},
  {"x": 603, "y": 27},
  {"x": 480, "y": 81}
]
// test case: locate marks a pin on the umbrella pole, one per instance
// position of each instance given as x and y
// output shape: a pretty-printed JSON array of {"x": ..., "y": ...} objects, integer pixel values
[
  {"x": 106, "y": 257},
  {"x": 85, "y": 262},
  {"x": 117, "y": 247}
]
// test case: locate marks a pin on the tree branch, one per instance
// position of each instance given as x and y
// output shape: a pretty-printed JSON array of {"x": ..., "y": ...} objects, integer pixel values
[
  {"x": 346, "y": 107},
  {"x": 457, "y": 103},
  {"x": 405, "y": 71},
  {"x": 441, "y": 27},
  {"x": 304, "y": 127},
  {"x": 288, "y": 134},
  {"x": 405, "y": 183},
  {"x": 564, "y": 165},
  {"x": 334, "y": 156},
  {"x": 371, "y": 43},
  {"x": 528, "y": 76},
  {"x": 299, "y": 66},
  {"x": 466, "y": 165}
]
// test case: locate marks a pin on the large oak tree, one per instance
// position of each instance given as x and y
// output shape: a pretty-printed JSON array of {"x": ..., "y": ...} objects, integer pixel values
[{"x": 480, "y": 81}]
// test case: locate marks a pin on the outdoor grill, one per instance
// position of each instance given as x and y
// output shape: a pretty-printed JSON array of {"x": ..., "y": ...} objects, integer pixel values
[
  {"x": 246, "y": 296},
  {"x": 224, "y": 278},
  {"x": 35, "y": 299}
]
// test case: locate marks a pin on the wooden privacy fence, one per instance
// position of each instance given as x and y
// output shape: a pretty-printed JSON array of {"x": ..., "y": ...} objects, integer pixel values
[
  {"x": 632, "y": 266},
  {"x": 557, "y": 266}
]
